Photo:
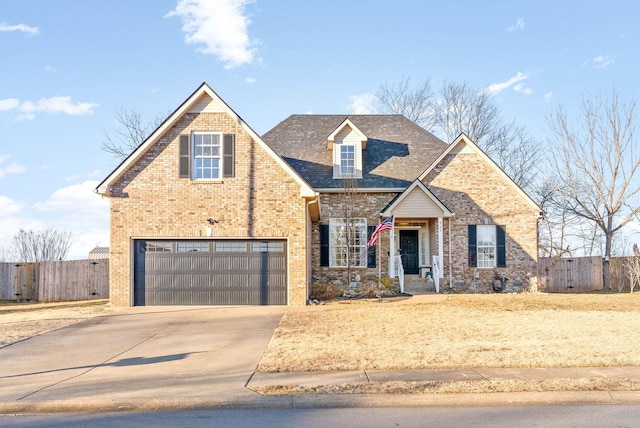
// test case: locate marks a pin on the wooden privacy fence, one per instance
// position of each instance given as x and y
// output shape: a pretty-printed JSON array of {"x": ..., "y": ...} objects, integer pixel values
[
  {"x": 19, "y": 281},
  {"x": 581, "y": 274},
  {"x": 569, "y": 275},
  {"x": 55, "y": 281}
]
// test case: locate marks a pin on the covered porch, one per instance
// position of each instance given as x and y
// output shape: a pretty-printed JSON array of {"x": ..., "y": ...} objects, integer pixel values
[{"x": 417, "y": 239}]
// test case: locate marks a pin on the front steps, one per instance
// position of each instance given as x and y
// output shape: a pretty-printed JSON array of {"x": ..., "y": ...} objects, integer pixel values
[{"x": 418, "y": 286}]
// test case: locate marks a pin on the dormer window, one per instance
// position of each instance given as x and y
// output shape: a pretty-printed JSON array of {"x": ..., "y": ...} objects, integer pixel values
[
  {"x": 347, "y": 143},
  {"x": 347, "y": 160}
]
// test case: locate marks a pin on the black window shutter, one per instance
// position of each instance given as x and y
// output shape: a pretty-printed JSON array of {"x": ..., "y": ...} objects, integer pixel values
[
  {"x": 371, "y": 251},
  {"x": 473, "y": 246},
  {"x": 229, "y": 155},
  {"x": 500, "y": 247},
  {"x": 324, "y": 245},
  {"x": 185, "y": 145}
]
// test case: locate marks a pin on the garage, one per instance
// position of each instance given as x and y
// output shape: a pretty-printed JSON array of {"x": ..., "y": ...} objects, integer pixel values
[{"x": 210, "y": 272}]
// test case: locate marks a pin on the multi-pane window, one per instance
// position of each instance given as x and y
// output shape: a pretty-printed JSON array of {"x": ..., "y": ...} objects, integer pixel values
[
  {"x": 206, "y": 155},
  {"x": 157, "y": 247},
  {"x": 267, "y": 247},
  {"x": 231, "y": 247},
  {"x": 347, "y": 160},
  {"x": 348, "y": 242},
  {"x": 193, "y": 247},
  {"x": 486, "y": 246}
]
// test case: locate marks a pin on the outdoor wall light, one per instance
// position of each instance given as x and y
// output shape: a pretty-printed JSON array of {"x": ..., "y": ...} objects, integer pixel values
[{"x": 212, "y": 221}]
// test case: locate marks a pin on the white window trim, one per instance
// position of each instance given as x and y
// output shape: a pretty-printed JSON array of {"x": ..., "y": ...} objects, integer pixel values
[
  {"x": 361, "y": 258},
  {"x": 489, "y": 262},
  {"x": 337, "y": 160},
  {"x": 220, "y": 156}
]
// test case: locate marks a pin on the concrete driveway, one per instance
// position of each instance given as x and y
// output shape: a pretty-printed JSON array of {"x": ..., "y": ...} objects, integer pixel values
[{"x": 136, "y": 357}]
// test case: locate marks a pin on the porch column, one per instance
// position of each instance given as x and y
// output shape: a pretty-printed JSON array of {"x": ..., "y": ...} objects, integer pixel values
[
  {"x": 392, "y": 248},
  {"x": 440, "y": 252}
]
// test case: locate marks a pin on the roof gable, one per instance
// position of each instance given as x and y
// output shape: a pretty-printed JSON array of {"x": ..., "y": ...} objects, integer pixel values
[
  {"x": 464, "y": 144},
  {"x": 416, "y": 201},
  {"x": 202, "y": 100},
  {"x": 342, "y": 127}
]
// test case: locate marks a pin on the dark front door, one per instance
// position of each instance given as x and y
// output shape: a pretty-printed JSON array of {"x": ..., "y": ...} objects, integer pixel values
[{"x": 409, "y": 251}]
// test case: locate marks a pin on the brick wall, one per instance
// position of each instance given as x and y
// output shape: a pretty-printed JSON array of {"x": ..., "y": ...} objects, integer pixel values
[
  {"x": 478, "y": 194},
  {"x": 262, "y": 201},
  {"x": 362, "y": 205}
]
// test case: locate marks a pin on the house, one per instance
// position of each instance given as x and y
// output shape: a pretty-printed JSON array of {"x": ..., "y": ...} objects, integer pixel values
[
  {"x": 99, "y": 253},
  {"x": 205, "y": 211}
]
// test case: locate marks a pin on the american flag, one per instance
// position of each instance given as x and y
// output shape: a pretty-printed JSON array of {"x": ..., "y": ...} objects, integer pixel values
[{"x": 385, "y": 225}]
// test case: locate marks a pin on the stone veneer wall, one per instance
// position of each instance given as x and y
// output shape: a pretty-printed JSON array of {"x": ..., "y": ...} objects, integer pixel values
[
  {"x": 478, "y": 194},
  {"x": 364, "y": 205},
  {"x": 261, "y": 201}
]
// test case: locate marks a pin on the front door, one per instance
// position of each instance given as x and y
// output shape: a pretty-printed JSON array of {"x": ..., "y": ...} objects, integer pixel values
[{"x": 409, "y": 251}]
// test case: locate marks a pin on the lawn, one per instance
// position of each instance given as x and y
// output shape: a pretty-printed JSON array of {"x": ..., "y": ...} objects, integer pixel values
[{"x": 461, "y": 331}]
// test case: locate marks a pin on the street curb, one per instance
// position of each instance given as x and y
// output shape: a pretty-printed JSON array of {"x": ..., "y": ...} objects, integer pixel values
[{"x": 323, "y": 401}]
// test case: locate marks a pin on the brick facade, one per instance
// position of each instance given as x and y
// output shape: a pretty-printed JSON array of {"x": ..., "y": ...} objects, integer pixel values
[
  {"x": 361, "y": 205},
  {"x": 262, "y": 200},
  {"x": 479, "y": 194}
]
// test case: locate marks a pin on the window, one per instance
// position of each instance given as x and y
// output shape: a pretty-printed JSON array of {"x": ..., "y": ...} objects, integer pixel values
[
  {"x": 193, "y": 247},
  {"x": 347, "y": 160},
  {"x": 487, "y": 246},
  {"x": 206, "y": 156},
  {"x": 156, "y": 247},
  {"x": 231, "y": 247},
  {"x": 486, "y": 239},
  {"x": 267, "y": 247},
  {"x": 348, "y": 242}
]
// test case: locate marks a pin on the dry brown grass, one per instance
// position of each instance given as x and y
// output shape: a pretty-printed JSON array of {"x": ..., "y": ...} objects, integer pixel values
[
  {"x": 464, "y": 331},
  {"x": 458, "y": 387},
  {"x": 20, "y": 321}
]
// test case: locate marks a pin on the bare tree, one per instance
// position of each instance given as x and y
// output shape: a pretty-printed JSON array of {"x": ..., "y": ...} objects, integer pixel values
[
  {"x": 42, "y": 245},
  {"x": 462, "y": 108},
  {"x": 130, "y": 131},
  {"x": 598, "y": 161},
  {"x": 415, "y": 104}
]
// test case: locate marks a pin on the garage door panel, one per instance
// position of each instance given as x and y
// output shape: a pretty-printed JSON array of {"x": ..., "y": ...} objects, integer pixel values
[{"x": 184, "y": 272}]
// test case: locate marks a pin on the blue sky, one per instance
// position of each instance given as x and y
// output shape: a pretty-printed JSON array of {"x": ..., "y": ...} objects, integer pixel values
[{"x": 69, "y": 65}]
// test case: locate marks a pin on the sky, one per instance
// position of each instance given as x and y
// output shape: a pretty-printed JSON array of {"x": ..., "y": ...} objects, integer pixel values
[{"x": 67, "y": 67}]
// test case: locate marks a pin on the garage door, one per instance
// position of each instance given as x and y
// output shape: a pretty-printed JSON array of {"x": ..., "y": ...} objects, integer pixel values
[{"x": 210, "y": 272}]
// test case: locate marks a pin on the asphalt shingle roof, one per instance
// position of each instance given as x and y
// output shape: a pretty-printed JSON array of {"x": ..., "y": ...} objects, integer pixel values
[{"x": 397, "y": 151}]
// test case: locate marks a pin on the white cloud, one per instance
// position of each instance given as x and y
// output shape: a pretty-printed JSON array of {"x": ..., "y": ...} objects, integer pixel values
[
  {"x": 75, "y": 208},
  {"x": 79, "y": 209},
  {"x": 250, "y": 80},
  {"x": 19, "y": 27},
  {"x": 79, "y": 198},
  {"x": 361, "y": 104},
  {"x": 496, "y": 88},
  {"x": 58, "y": 105},
  {"x": 9, "y": 104},
  {"x": 602, "y": 61},
  {"x": 522, "y": 89},
  {"x": 13, "y": 168},
  {"x": 219, "y": 28},
  {"x": 49, "y": 69},
  {"x": 10, "y": 207},
  {"x": 548, "y": 96},
  {"x": 519, "y": 25}
]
